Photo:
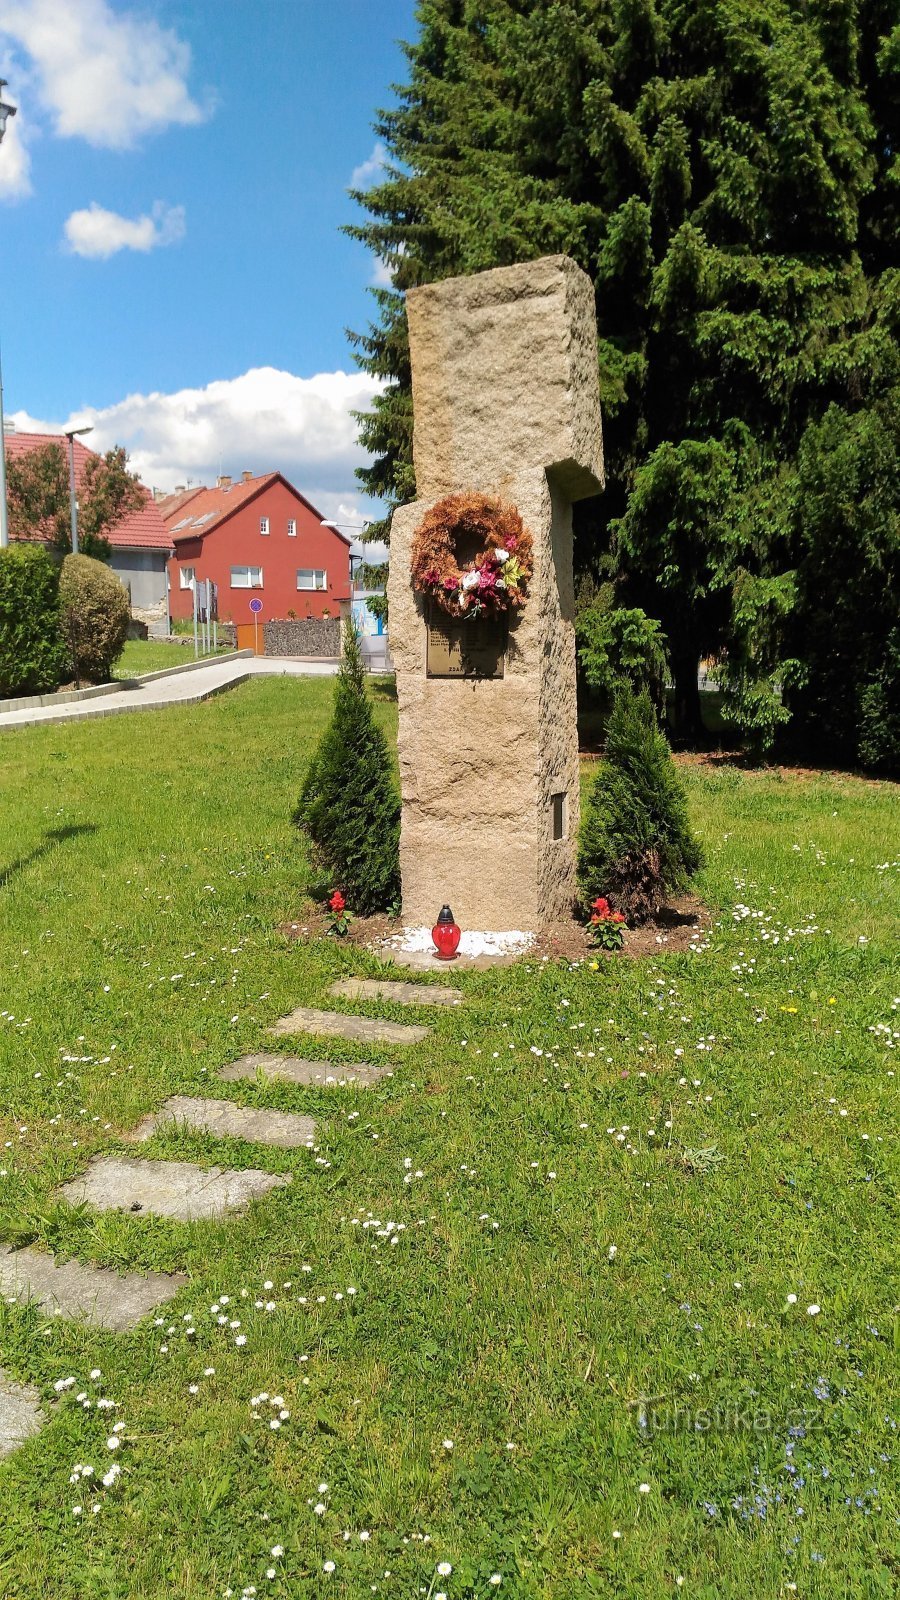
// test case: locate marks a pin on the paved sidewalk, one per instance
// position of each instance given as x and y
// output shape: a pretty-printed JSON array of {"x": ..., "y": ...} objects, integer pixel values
[{"x": 182, "y": 689}]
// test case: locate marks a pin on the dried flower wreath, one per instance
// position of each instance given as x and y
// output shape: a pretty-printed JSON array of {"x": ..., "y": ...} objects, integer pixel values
[{"x": 495, "y": 581}]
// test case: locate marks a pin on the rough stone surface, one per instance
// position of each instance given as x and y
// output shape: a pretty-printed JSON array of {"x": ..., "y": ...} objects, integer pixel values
[
  {"x": 365, "y": 1030},
  {"x": 105, "y": 1299},
  {"x": 504, "y": 369},
  {"x": 293, "y": 1069},
  {"x": 20, "y": 1414},
  {"x": 227, "y": 1120},
  {"x": 308, "y": 636},
  {"x": 177, "y": 1189},
  {"x": 505, "y": 400},
  {"x": 405, "y": 994}
]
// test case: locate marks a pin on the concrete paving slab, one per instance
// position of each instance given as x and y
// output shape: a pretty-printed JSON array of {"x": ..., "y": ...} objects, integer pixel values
[
  {"x": 293, "y": 1069},
  {"x": 177, "y": 1189},
  {"x": 105, "y": 1299},
  {"x": 20, "y": 1414},
  {"x": 405, "y": 994},
  {"x": 365, "y": 1030},
  {"x": 227, "y": 1120}
]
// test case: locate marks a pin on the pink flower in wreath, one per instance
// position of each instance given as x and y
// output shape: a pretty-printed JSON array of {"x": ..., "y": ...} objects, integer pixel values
[{"x": 511, "y": 542}]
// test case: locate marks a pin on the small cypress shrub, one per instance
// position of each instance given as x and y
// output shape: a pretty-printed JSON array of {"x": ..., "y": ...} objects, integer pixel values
[
  {"x": 95, "y": 617},
  {"x": 349, "y": 808},
  {"x": 32, "y": 655},
  {"x": 636, "y": 846}
]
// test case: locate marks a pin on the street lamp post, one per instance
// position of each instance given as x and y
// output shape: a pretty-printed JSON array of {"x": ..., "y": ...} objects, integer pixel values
[
  {"x": 6, "y": 111},
  {"x": 4, "y": 522},
  {"x": 71, "y": 435}
]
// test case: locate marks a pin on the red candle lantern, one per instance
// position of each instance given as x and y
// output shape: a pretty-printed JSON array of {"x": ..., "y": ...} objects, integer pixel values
[{"x": 446, "y": 934}]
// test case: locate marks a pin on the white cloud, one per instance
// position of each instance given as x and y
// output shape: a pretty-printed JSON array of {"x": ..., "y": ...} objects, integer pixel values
[
  {"x": 15, "y": 163},
  {"x": 371, "y": 170},
  {"x": 266, "y": 420},
  {"x": 383, "y": 275},
  {"x": 104, "y": 75},
  {"x": 98, "y": 234}
]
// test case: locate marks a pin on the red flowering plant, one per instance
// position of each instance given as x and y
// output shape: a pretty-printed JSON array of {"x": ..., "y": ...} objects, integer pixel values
[
  {"x": 606, "y": 927},
  {"x": 340, "y": 918}
]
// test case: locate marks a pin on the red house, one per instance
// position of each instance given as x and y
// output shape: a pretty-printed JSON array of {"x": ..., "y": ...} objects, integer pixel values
[{"x": 258, "y": 538}]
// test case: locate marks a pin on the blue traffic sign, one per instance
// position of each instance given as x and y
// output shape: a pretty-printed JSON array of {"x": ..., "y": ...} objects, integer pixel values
[{"x": 255, "y": 606}]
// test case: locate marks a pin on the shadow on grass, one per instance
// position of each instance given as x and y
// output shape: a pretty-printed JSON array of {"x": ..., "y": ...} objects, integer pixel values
[{"x": 54, "y": 837}]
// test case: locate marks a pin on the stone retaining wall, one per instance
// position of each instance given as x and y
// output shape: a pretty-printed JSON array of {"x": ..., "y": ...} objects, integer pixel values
[{"x": 308, "y": 636}]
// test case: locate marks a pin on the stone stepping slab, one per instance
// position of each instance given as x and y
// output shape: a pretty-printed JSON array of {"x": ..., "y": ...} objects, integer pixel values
[
  {"x": 177, "y": 1189},
  {"x": 293, "y": 1069},
  {"x": 405, "y": 994},
  {"x": 364, "y": 1030},
  {"x": 227, "y": 1120},
  {"x": 20, "y": 1414},
  {"x": 105, "y": 1299}
]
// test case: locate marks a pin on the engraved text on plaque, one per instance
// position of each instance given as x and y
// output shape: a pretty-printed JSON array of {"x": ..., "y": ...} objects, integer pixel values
[{"x": 471, "y": 649}]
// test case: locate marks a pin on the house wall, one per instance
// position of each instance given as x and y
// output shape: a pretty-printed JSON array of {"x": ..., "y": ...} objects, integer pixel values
[
  {"x": 144, "y": 573},
  {"x": 238, "y": 542}
]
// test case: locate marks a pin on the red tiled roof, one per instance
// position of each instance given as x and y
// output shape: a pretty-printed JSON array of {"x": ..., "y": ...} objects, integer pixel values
[
  {"x": 144, "y": 529},
  {"x": 171, "y": 502},
  {"x": 213, "y": 505},
  {"x": 210, "y": 507}
]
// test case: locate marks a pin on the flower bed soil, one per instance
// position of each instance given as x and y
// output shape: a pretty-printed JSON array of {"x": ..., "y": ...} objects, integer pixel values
[{"x": 676, "y": 928}]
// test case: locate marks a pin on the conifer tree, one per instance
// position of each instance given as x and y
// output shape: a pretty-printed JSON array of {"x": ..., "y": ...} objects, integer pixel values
[
  {"x": 729, "y": 177},
  {"x": 636, "y": 846},
  {"x": 349, "y": 808}
]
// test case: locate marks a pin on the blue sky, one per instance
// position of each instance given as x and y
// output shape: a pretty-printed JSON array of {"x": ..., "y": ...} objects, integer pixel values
[{"x": 171, "y": 196}]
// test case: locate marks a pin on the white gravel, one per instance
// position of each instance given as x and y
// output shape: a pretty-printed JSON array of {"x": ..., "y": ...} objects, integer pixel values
[{"x": 471, "y": 943}]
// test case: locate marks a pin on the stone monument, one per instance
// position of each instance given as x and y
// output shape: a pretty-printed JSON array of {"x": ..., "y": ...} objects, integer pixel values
[{"x": 506, "y": 401}]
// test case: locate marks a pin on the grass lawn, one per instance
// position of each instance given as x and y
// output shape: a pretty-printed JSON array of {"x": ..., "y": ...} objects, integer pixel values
[
  {"x": 504, "y": 1246},
  {"x": 150, "y": 655}
]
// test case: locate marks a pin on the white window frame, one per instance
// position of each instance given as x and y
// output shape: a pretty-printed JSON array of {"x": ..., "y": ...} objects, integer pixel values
[
  {"x": 264, "y": 526},
  {"x": 243, "y": 578},
  {"x": 315, "y": 573},
  {"x": 187, "y": 577},
  {"x": 292, "y": 528}
]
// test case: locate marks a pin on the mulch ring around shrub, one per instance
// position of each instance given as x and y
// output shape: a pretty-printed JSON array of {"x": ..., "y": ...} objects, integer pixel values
[
  {"x": 313, "y": 922},
  {"x": 677, "y": 927}
]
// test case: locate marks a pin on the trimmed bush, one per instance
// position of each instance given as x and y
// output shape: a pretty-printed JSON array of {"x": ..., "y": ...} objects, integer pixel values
[
  {"x": 636, "y": 846},
  {"x": 32, "y": 655},
  {"x": 94, "y": 617},
  {"x": 349, "y": 808}
]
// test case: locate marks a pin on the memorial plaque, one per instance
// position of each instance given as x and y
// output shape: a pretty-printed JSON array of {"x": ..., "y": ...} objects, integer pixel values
[{"x": 465, "y": 649}]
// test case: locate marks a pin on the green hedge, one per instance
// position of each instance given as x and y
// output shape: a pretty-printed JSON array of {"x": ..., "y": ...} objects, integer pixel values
[{"x": 32, "y": 654}]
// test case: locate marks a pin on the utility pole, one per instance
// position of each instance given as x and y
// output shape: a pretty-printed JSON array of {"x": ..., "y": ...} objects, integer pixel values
[
  {"x": 4, "y": 522},
  {"x": 6, "y": 111}
]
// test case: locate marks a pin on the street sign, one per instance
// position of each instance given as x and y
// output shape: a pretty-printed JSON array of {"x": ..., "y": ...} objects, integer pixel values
[{"x": 256, "y": 606}]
